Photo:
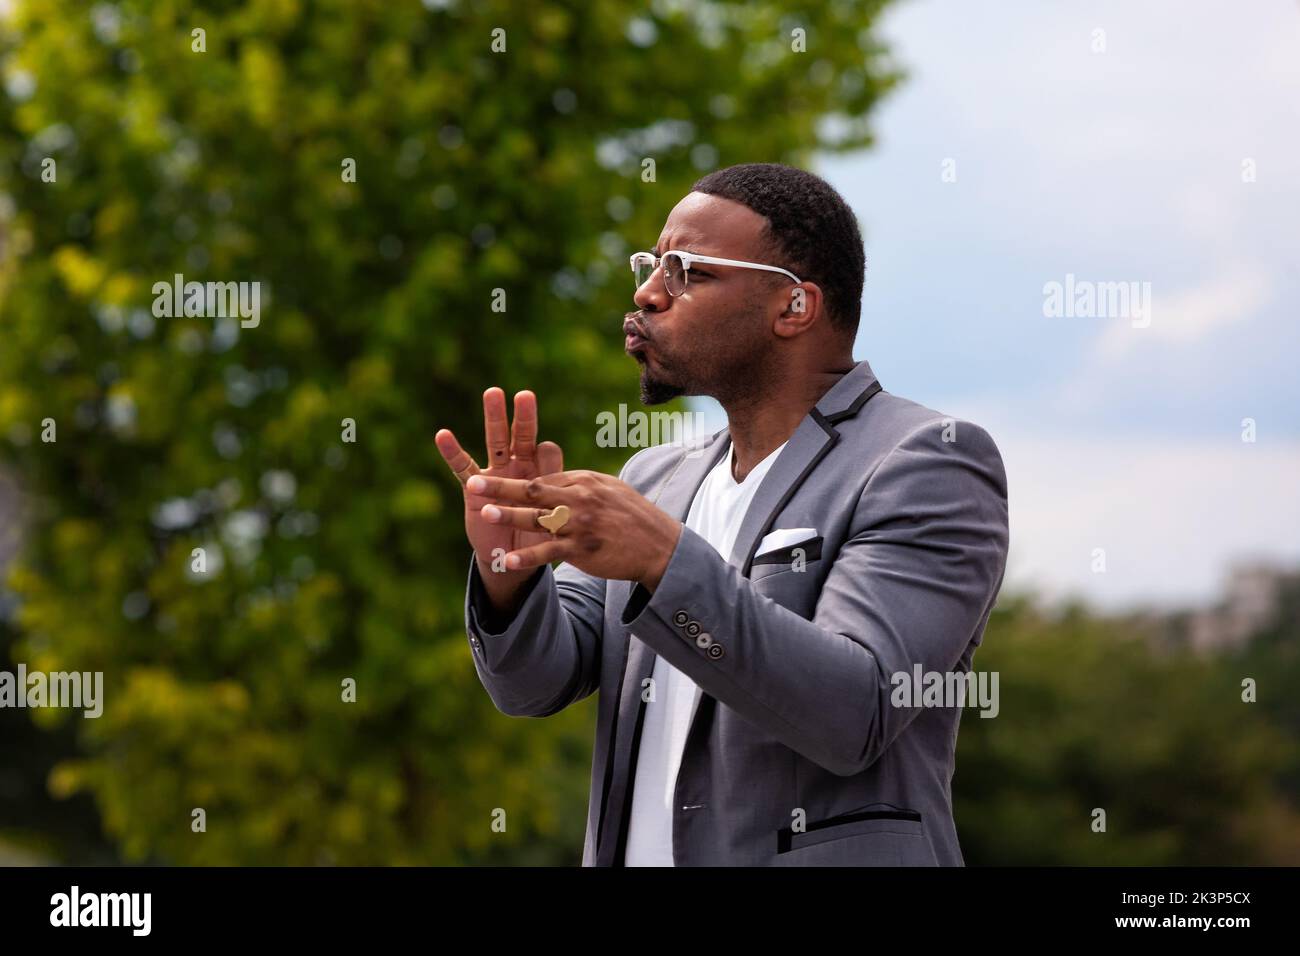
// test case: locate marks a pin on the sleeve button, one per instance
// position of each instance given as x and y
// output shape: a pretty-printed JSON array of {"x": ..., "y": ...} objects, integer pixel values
[
  {"x": 680, "y": 618},
  {"x": 693, "y": 628},
  {"x": 715, "y": 651}
]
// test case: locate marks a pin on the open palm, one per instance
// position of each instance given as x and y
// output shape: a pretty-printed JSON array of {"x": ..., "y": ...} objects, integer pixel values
[{"x": 513, "y": 452}]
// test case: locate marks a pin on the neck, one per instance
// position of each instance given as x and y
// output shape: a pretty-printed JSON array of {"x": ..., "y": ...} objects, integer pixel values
[{"x": 760, "y": 421}]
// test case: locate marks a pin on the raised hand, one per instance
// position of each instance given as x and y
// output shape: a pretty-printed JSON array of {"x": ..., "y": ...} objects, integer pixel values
[{"x": 512, "y": 452}]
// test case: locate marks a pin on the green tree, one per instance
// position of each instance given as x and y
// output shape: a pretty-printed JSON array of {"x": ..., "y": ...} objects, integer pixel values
[
  {"x": 224, "y": 156},
  {"x": 1093, "y": 716}
]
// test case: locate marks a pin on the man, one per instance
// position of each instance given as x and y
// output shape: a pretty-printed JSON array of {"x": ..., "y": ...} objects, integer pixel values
[{"x": 747, "y": 604}]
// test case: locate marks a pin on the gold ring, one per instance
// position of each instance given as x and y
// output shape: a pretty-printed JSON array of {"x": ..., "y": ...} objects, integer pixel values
[
  {"x": 555, "y": 519},
  {"x": 466, "y": 473}
]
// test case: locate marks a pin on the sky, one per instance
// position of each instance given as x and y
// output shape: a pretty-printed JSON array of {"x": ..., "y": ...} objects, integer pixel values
[{"x": 1169, "y": 159}]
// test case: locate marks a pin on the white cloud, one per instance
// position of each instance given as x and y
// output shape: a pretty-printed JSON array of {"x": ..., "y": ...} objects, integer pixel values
[
  {"x": 1172, "y": 516},
  {"x": 1189, "y": 316}
]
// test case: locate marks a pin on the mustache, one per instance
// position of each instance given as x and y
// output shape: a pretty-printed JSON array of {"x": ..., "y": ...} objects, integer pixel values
[{"x": 634, "y": 324}]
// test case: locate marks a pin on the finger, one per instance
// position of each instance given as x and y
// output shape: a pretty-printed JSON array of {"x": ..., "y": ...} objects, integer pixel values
[
  {"x": 550, "y": 459},
  {"x": 546, "y": 493},
  {"x": 522, "y": 518},
  {"x": 458, "y": 459},
  {"x": 523, "y": 430},
  {"x": 539, "y": 554},
  {"x": 496, "y": 430}
]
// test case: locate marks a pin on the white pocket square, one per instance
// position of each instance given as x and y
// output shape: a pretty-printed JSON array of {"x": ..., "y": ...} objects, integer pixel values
[{"x": 783, "y": 538}]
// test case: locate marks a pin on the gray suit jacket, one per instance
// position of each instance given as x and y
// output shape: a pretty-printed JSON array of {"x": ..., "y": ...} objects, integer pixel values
[{"x": 796, "y": 755}]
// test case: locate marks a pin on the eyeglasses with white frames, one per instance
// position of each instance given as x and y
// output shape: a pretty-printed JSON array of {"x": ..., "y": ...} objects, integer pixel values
[{"x": 677, "y": 264}]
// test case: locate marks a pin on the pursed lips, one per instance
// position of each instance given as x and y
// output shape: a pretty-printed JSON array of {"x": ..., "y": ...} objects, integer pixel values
[{"x": 634, "y": 338}]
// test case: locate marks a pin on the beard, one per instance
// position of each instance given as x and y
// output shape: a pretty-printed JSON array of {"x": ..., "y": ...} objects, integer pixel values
[{"x": 654, "y": 389}]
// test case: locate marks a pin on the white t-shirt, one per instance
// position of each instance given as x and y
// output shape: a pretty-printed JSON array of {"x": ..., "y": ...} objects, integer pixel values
[{"x": 716, "y": 514}]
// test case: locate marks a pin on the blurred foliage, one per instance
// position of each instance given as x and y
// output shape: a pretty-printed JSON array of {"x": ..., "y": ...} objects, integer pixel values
[
  {"x": 1095, "y": 714},
  {"x": 475, "y": 170}
]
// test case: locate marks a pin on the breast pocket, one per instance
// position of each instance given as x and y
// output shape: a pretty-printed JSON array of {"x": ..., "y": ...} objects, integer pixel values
[{"x": 794, "y": 557}]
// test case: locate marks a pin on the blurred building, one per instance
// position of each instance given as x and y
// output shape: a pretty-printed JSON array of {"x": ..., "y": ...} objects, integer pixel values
[{"x": 1251, "y": 603}]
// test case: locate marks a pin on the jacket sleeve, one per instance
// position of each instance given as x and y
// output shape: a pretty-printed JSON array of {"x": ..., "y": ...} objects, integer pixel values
[
  {"x": 548, "y": 656},
  {"x": 912, "y": 584}
]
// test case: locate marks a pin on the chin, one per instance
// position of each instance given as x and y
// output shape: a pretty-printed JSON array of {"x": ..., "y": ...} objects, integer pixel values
[{"x": 655, "y": 391}]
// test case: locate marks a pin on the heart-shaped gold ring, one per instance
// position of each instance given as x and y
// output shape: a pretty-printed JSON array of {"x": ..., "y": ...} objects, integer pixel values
[{"x": 554, "y": 520}]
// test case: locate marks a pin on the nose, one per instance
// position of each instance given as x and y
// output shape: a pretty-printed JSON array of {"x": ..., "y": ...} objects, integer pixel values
[{"x": 652, "y": 296}]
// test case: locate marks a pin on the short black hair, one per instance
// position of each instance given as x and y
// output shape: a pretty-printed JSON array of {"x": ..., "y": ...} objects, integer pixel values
[{"x": 810, "y": 228}]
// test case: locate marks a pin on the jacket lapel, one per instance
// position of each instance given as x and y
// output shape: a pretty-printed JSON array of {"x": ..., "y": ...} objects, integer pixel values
[
  {"x": 673, "y": 496},
  {"x": 812, "y": 439}
]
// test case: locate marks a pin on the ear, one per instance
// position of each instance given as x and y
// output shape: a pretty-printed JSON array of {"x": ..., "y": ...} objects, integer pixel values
[{"x": 804, "y": 308}]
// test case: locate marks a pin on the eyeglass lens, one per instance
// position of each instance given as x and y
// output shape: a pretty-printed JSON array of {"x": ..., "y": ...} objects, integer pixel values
[{"x": 674, "y": 274}]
